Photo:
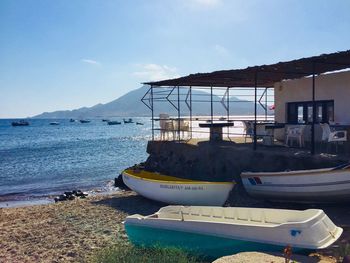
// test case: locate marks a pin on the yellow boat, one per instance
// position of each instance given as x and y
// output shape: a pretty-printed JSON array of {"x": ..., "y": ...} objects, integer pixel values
[{"x": 174, "y": 190}]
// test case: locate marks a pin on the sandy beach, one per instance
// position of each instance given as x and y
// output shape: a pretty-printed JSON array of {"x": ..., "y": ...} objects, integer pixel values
[
  {"x": 74, "y": 231},
  {"x": 71, "y": 231}
]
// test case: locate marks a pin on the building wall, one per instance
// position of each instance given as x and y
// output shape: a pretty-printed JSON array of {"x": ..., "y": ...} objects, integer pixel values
[{"x": 333, "y": 86}]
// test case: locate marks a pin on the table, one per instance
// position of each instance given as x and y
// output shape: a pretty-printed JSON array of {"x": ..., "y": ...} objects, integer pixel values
[
  {"x": 270, "y": 132},
  {"x": 216, "y": 129}
]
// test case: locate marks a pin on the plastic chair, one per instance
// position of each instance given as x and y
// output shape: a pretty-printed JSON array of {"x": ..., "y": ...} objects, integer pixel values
[
  {"x": 295, "y": 133},
  {"x": 166, "y": 125},
  {"x": 329, "y": 136},
  {"x": 184, "y": 127}
]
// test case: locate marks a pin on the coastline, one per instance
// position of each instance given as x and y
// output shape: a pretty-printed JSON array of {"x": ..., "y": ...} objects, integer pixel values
[{"x": 22, "y": 200}]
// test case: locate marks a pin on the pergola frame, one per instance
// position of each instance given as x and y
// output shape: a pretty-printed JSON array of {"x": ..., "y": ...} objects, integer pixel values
[{"x": 254, "y": 77}]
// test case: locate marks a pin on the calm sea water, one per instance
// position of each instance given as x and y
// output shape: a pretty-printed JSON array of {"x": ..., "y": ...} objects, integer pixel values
[{"x": 41, "y": 159}]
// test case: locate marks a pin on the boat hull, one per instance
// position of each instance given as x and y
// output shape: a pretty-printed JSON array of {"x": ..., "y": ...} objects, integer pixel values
[
  {"x": 114, "y": 123},
  {"x": 218, "y": 231},
  {"x": 323, "y": 185},
  {"x": 184, "y": 193},
  {"x": 195, "y": 243}
]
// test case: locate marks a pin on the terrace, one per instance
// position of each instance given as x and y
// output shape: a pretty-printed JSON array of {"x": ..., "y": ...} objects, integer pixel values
[{"x": 247, "y": 107}]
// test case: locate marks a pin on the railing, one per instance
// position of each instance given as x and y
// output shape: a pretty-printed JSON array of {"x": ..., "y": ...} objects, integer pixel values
[
  {"x": 268, "y": 133},
  {"x": 185, "y": 129}
]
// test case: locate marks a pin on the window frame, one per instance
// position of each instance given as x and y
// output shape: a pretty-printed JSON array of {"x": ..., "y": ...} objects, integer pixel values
[{"x": 292, "y": 111}]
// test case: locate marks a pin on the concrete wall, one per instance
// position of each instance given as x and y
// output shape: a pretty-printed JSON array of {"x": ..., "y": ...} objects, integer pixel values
[{"x": 333, "y": 86}]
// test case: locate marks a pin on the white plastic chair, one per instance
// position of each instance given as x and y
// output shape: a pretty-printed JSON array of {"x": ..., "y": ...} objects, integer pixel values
[
  {"x": 296, "y": 133},
  {"x": 332, "y": 137},
  {"x": 166, "y": 125},
  {"x": 184, "y": 126}
]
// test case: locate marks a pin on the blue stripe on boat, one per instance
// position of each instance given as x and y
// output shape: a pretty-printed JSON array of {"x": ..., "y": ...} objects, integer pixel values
[
  {"x": 199, "y": 244},
  {"x": 252, "y": 181}
]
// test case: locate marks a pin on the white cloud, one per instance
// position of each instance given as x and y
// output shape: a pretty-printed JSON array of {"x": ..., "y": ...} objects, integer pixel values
[
  {"x": 154, "y": 72},
  {"x": 91, "y": 62},
  {"x": 200, "y": 4},
  {"x": 221, "y": 50},
  {"x": 207, "y": 2}
]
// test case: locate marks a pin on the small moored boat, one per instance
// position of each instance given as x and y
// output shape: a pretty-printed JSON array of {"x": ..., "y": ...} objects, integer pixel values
[
  {"x": 114, "y": 122},
  {"x": 139, "y": 123},
  {"x": 20, "y": 123},
  {"x": 84, "y": 121},
  {"x": 174, "y": 190},
  {"x": 54, "y": 123},
  {"x": 220, "y": 231},
  {"x": 105, "y": 120},
  {"x": 318, "y": 185},
  {"x": 128, "y": 121}
]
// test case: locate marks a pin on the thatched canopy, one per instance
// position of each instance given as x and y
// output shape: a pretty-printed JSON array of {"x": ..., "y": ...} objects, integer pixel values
[{"x": 264, "y": 75}]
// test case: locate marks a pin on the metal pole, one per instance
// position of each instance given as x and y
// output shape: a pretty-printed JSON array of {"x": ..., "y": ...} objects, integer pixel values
[
  {"x": 228, "y": 111},
  {"x": 152, "y": 110},
  {"x": 178, "y": 111},
  {"x": 313, "y": 111},
  {"x": 191, "y": 110},
  {"x": 255, "y": 109},
  {"x": 228, "y": 103},
  {"x": 211, "y": 103},
  {"x": 266, "y": 91}
]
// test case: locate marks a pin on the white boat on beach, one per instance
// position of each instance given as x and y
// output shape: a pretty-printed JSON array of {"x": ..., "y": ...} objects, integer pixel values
[
  {"x": 318, "y": 185},
  {"x": 174, "y": 190},
  {"x": 219, "y": 231}
]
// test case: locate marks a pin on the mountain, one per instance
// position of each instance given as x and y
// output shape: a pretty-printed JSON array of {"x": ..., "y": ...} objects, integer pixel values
[{"x": 130, "y": 105}]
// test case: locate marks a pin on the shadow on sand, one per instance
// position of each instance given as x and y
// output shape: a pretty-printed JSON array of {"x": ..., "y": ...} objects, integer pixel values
[{"x": 132, "y": 204}]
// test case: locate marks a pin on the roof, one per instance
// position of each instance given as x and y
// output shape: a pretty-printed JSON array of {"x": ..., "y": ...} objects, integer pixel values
[{"x": 264, "y": 75}]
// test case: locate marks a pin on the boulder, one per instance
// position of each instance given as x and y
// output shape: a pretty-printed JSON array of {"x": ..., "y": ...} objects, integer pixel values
[{"x": 253, "y": 257}]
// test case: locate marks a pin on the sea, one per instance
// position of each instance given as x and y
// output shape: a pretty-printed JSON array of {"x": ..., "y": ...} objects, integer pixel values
[{"x": 41, "y": 160}]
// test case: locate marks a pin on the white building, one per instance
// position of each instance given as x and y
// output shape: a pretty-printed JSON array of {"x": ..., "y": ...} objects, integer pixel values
[{"x": 293, "y": 100}]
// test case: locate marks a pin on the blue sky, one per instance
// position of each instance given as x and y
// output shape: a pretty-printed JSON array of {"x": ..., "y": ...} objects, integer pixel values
[{"x": 68, "y": 54}]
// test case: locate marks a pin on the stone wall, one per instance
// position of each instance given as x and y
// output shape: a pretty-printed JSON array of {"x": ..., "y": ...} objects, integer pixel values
[{"x": 225, "y": 161}]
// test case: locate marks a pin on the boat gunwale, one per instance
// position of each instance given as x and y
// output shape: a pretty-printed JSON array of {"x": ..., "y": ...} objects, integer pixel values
[
  {"x": 317, "y": 213},
  {"x": 293, "y": 173},
  {"x": 177, "y": 181}
]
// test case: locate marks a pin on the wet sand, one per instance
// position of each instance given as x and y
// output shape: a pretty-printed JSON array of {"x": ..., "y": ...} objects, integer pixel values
[{"x": 73, "y": 231}]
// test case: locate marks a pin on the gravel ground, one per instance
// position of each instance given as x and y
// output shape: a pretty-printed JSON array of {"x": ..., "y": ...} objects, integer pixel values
[
  {"x": 73, "y": 231},
  {"x": 70, "y": 231}
]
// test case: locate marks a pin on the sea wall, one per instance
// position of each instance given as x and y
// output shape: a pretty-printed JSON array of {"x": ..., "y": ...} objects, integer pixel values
[{"x": 225, "y": 161}]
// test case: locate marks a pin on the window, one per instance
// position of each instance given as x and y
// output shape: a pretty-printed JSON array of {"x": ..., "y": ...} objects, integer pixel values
[{"x": 302, "y": 112}]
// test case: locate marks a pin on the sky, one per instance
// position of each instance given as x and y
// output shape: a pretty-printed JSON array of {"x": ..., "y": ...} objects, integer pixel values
[{"x": 64, "y": 54}]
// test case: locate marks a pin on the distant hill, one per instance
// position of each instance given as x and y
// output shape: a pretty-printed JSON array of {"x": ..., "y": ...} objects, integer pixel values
[{"x": 130, "y": 105}]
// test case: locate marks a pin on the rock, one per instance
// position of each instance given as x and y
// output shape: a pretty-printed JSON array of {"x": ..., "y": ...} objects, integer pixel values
[
  {"x": 60, "y": 198},
  {"x": 78, "y": 193},
  {"x": 253, "y": 257},
  {"x": 68, "y": 193},
  {"x": 118, "y": 182}
]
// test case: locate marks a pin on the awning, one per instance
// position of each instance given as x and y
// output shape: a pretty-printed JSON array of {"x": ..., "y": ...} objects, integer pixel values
[{"x": 264, "y": 75}]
